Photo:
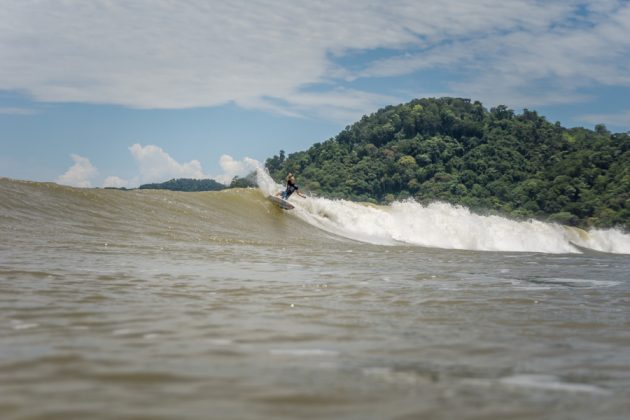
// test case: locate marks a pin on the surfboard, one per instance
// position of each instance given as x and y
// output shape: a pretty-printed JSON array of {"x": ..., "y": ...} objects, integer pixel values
[{"x": 283, "y": 204}]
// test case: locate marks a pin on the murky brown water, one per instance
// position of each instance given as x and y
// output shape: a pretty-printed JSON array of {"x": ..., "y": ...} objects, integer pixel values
[{"x": 141, "y": 304}]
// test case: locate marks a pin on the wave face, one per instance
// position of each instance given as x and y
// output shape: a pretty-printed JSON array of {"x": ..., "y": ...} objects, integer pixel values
[{"x": 31, "y": 211}]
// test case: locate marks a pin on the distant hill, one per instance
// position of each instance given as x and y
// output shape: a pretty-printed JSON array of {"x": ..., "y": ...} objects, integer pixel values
[
  {"x": 192, "y": 185},
  {"x": 186, "y": 184},
  {"x": 455, "y": 150}
]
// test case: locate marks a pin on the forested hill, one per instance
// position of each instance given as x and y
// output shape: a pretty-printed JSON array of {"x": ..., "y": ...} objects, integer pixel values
[
  {"x": 195, "y": 185},
  {"x": 186, "y": 184},
  {"x": 455, "y": 150}
]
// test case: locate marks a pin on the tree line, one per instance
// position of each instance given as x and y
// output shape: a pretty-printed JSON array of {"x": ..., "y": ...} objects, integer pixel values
[{"x": 195, "y": 185}]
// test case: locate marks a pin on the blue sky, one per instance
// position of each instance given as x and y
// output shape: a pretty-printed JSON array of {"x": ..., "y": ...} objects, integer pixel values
[{"x": 118, "y": 93}]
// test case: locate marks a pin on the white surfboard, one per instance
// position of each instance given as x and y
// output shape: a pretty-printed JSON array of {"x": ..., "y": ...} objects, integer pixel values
[{"x": 283, "y": 204}]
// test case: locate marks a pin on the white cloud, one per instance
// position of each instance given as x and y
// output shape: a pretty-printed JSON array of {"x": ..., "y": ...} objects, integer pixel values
[
  {"x": 79, "y": 174},
  {"x": 530, "y": 65},
  {"x": 231, "y": 168},
  {"x": 340, "y": 104},
  {"x": 265, "y": 54},
  {"x": 155, "y": 165},
  {"x": 230, "y": 165}
]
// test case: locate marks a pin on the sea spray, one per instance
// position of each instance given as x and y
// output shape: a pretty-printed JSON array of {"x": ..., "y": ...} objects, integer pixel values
[
  {"x": 266, "y": 184},
  {"x": 437, "y": 225},
  {"x": 604, "y": 240}
]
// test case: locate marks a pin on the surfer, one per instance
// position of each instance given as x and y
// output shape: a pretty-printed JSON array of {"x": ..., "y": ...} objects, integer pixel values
[{"x": 291, "y": 188}]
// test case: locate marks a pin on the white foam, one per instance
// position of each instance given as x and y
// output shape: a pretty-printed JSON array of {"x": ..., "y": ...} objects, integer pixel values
[
  {"x": 611, "y": 240},
  {"x": 20, "y": 325},
  {"x": 220, "y": 342},
  {"x": 389, "y": 375},
  {"x": 550, "y": 383},
  {"x": 442, "y": 225},
  {"x": 265, "y": 183},
  {"x": 585, "y": 283}
]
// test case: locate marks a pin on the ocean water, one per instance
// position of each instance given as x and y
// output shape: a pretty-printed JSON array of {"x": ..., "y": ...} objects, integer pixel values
[{"x": 159, "y": 305}]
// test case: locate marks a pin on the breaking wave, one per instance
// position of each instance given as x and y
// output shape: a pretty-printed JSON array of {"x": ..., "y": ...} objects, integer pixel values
[{"x": 442, "y": 225}]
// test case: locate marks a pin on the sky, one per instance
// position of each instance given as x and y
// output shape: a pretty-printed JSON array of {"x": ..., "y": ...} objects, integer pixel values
[{"x": 119, "y": 93}]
